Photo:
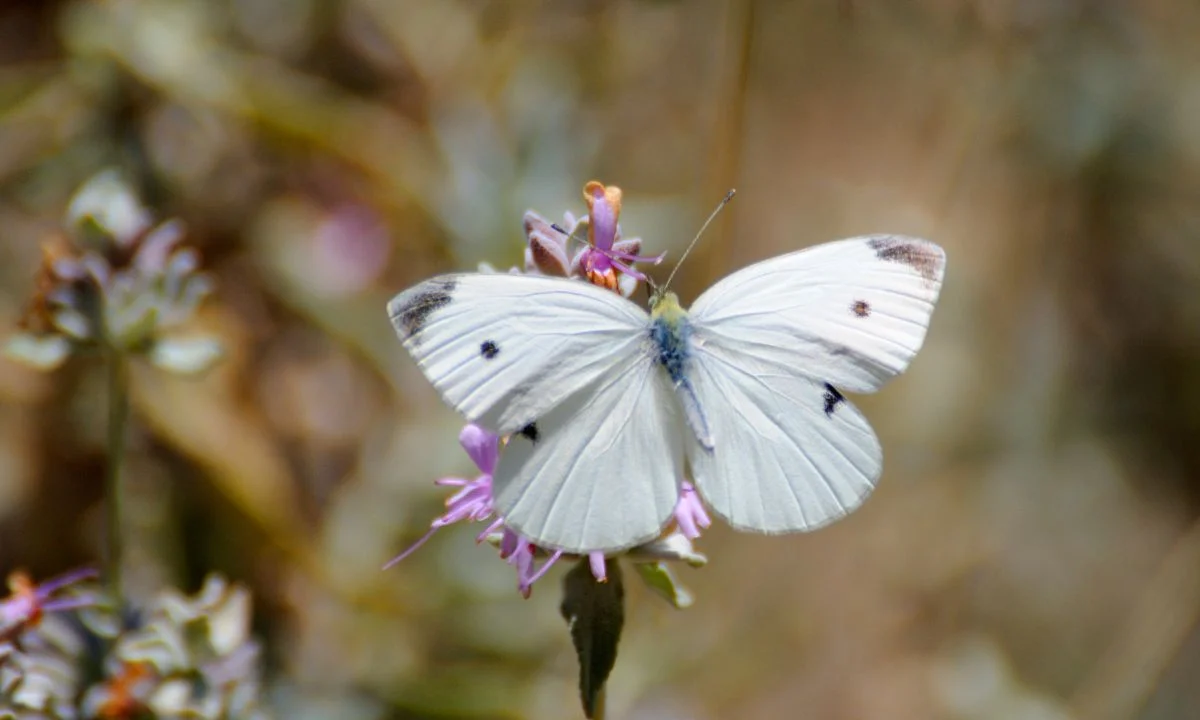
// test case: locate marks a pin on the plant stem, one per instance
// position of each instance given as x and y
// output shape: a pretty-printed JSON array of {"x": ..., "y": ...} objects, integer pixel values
[{"x": 118, "y": 418}]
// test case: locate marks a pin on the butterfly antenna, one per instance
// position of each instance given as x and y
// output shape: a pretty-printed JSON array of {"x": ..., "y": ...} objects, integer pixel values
[{"x": 720, "y": 206}]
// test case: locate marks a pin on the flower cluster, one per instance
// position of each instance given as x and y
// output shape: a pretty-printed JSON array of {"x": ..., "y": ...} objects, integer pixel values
[
  {"x": 40, "y": 653},
  {"x": 187, "y": 657},
  {"x": 606, "y": 260},
  {"x": 117, "y": 281},
  {"x": 191, "y": 657}
]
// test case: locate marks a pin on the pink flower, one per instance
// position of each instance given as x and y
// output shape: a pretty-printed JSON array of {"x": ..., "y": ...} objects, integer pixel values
[
  {"x": 606, "y": 252},
  {"x": 607, "y": 260},
  {"x": 473, "y": 502},
  {"x": 690, "y": 515}
]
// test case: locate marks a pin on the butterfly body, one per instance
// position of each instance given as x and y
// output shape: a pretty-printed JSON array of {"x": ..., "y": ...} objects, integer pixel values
[
  {"x": 606, "y": 405},
  {"x": 671, "y": 333}
]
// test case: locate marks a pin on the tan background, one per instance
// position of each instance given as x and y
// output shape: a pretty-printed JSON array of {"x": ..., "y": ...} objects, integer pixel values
[{"x": 1031, "y": 551}]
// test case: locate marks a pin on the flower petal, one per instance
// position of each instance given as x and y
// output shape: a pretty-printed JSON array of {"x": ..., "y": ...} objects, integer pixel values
[
  {"x": 509, "y": 543},
  {"x": 604, "y": 209},
  {"x": 186, "y": 356},
  {"x": 632, "y": 246},
  {"x": 596, "y": 560},
  {"x": 109, "y": 202},
  {"x": 482, "y": 446},
  {"x": 547, "y": 256},
  {"x": 42, "y": 352},
  {"x": 72, "y": 323},
  {"x": 152, "y": 253},
  {"x": 627, "y": 285},
  {"x": 690, "y": 514},
  {"x": 412, "y": 548},
  {"x": 672, "y": 547},
  {"x": 69, "y": 269},
  {"x": 527, "y": 576}
]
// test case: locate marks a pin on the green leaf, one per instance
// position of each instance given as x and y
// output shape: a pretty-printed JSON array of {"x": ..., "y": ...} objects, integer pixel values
[
  {"x": 595, "y": 613},
  {"x": 661, "y": 580}
]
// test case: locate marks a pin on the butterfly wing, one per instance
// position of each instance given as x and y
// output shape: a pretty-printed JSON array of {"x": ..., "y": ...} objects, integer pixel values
[
  {"x": 503, "y": 349},
  {"x": 780, "y": 462},
  {"x": 852, "y": 313},
  {"x": 774, "y": 344},
  {"x": 600, "y": 471}
]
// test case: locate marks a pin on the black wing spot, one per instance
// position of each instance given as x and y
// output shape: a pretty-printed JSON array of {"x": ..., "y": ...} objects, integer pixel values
[
  {"x": 861, "y": 308},
  {"x": 413, "y": 314},
  {"x": 922, "y": 257},
  {"x": 530, "y": 432},
  {"x": 832, "y": 399},
  {"x": 489, "y": 349}
]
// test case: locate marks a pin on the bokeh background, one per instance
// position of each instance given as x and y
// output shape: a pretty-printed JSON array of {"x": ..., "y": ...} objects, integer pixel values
[{"x": 1032, "y": 551}]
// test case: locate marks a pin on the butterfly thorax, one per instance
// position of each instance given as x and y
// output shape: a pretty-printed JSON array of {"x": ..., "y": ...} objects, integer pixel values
[{"x": 671, "y": 331}]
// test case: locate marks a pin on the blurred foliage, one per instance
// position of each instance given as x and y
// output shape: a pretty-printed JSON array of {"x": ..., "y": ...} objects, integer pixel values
[{"x": 1032, "y": 549}]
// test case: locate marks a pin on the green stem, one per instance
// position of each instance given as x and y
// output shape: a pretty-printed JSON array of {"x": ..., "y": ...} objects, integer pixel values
[
  {"x": 118, "y": 418},
  {"x": 601, "y": 701}
]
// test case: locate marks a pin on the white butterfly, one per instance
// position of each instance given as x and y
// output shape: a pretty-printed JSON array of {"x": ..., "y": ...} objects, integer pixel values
[{"x": 604, "y": 401}]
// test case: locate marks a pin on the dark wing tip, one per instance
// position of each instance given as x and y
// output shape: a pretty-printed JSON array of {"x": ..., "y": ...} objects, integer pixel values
[
  {"x": 410, "y": 310},
  {"x": 928, "y": 259}
]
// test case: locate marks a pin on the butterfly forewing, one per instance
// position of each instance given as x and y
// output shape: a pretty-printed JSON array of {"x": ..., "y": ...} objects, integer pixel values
[
  {"x": 852, "y": 313},
  {"x": 504, "y": 349}
]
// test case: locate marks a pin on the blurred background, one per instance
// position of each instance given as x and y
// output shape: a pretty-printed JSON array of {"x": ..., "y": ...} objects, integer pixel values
[{"x": 1032, "y": 551}]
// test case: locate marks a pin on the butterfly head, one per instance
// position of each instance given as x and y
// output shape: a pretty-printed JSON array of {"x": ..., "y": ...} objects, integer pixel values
[{"x": 665, "y": 305}]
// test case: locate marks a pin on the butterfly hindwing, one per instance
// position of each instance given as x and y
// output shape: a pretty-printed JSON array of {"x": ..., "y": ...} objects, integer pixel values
[
  {"x": 599, "y": 472},
  {"x": 503, "y": 349},
  {"x": 789, "y": 453}
]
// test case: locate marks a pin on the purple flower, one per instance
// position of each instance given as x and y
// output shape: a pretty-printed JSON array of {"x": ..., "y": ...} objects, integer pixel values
[
  {"x": 116, "y": 280},
  {"x": 606, "y": 252},
  {"x": 690, "y": 515},
  {"x": 473, "y": 502},
  {"x": 607, "y": 260},
  {"x": 519, "y": 552},
  {"x": 29, "y": 602}
]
